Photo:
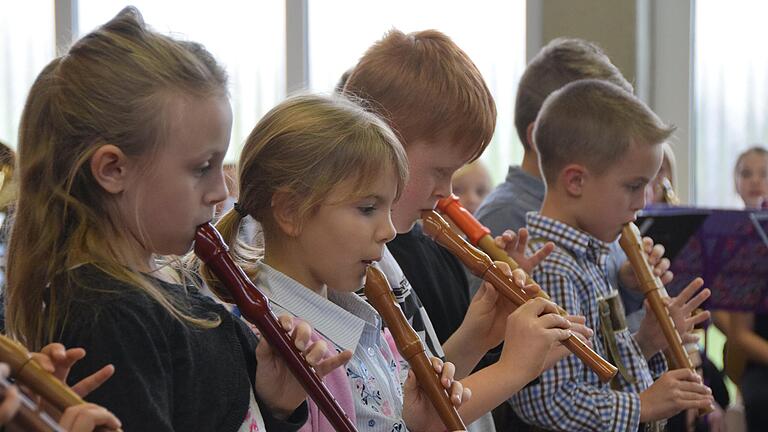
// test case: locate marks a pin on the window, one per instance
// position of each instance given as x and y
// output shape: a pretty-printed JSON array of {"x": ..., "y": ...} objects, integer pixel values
[
  {"x": 247, "y": 37},
  {"x": 26, "y": 46},
  {"x": 491, "y": 32},
  {"x": 730, "y": 93}
]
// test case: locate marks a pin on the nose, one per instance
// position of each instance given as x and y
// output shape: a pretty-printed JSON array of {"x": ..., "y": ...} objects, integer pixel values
[
  {"x": 638, "y": 201},
  {"x": 386, "y": 230},
  {"x": 218, "y": 191},
  {"x": 443, "y": 188}
]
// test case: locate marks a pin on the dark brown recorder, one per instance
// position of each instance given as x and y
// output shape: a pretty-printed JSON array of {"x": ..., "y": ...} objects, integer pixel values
[
  {"x": 254, "y": 306},
  {"x": 408, "y": 343},
  {"x": 481, "y": 265},
  {"x": 652, "y": 288},
  {"x": 28, "y": 372}
]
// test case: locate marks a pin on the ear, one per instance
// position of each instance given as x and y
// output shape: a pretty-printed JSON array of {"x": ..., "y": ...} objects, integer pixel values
[
  {"x": 109, "y": 166},
  {"x": 573, "y": 177},
  {"x": 529, "y": 136},
  {"x": 284, "y": 213}
]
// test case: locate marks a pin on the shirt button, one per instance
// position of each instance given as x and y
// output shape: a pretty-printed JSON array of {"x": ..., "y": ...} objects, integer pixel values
[
  {"x": 371, "y": 423},
  {"x": 371, "y": 351}
]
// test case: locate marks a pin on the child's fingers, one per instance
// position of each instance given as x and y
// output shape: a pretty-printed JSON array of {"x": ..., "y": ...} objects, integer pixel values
[
  {"x": 698, "y": 300},
  {"x": 85, "y": 418},
  {"x": 541, "y": 254},
  {"x": 504, "y": 267},
  {"x": 684, "y": 375},
  {"x": 519, "y": 277},
  {"x": 301, "y": 335},
  {"x": 647, "y": 245},
  {"x": 688, "y": 338},
  {"x": 457, "y": 392},
  {"x": 316, "y": 352},
  {"x": 522, "y": 240},
  {"x": 286, "y": 322},
  {"x": 437, "y": 364},
  {"x": 326, "y": 366},
  {"x": 656, "y": 253},
  {"x": 694, "y": 389},
  {"x": 661, "y": 267},
  {"x": 10, "y": 405},
  {"x": 94, "y": 381},
  {"x": 689, "y": 291},
  {"x": 538, "y": 306},
  {"x": 487, "y": 294},
  {"x": 582, "y": 331},
  {"x": 446, "y": 376},
  {"x": 699, "y": 318},
  {"x": 553, "y": 320},
  {"x": 505, "y": 239},
  {"x": 667, "y": 277}
]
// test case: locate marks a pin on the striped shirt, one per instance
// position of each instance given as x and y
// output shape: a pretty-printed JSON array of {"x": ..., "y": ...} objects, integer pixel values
[
  {"x": 347, "y": 322},
  {"x": 570, "y": 397}
]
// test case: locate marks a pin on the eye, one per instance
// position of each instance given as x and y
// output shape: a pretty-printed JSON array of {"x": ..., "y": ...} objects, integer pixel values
[
  {"x": 201, "y": 170},
  {"x": 367, "y": 210},
  {"x": 634, "y": 187}
]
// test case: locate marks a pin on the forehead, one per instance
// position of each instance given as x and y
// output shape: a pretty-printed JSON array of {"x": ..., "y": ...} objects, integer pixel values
[
  {"x": 197, "y": 125},
  {"x": 754, "y": 159},
  {"x": 438, "y": 154},
  {"x": 640, "y": 160}
]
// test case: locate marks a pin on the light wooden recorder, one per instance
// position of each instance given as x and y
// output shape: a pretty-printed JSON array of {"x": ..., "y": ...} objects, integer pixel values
[
  {"x": 480, "y": 236},
  {"x": 481, "y": 265},
  {"x": 28, "y": 372},
  {"x": 653, "y": 290},
  {"x": 379, "y": 294}
]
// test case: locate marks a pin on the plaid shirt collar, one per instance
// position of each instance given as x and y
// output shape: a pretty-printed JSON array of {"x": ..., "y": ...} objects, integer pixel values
[{"x": 574, "y": 241}]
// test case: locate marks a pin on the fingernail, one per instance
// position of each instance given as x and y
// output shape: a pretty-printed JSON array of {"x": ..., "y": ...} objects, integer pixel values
[{"x": 301, "y": 345}]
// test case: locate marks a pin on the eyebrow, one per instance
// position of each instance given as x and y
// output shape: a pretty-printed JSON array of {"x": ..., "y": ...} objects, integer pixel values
[{"x": 376, "y": 197}]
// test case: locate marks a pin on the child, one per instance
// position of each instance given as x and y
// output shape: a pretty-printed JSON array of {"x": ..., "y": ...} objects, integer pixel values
[
  {"x": 661, "y": 190},
  {"x": 320, "y": 175},
  {"x": 598, "y": 147},
  {"x": 471, "y": 183},
  {"x": 436, "y": 101},
  {"x": 120, "y": 159},
  {"x": 560, "y": 62},
  {"x": 751, "y": 175},
  {"x": 749, "y": 331}
]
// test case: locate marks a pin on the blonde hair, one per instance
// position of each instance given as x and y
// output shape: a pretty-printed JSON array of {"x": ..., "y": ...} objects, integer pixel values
[
  {"x": 592, "y": 122},
  {"x": 112, "y": 87},
  {"x": 560, "y": 62},
  {"x": 428, "y": 89},
  {"x": 306, "y": 146}
]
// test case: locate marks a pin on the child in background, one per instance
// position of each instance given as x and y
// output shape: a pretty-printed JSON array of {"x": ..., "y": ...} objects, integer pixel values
[
  {"x": 472, "y": 183},
  {"x": 747, "y": 332},
  {"x": 661, "y": 190},
  {"x": 120, "y": 160},
  {"x": 751, "y": 177},
  {"x": 320, "y": 175}
]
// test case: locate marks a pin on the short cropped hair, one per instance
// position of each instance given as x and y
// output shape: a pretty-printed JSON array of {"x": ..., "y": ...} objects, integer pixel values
[
  {"x": 592, "y": 122},
  {"x": 427, "y": 89},
  {"x": 560, "y": 62}
]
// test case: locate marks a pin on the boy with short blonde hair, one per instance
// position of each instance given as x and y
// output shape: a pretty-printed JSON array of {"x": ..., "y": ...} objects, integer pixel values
[{"x": 598, "y": 147}]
